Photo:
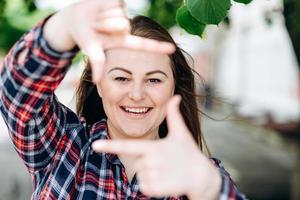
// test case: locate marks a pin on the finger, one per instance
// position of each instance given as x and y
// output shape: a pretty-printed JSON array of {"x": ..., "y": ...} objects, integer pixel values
[
  {"x": 97, "y": 65},
  {"x": 114, "y": 12},
  {"x": 175, "y": 121},
  {"x": 96, "y": 56},
  {"x": 140, "y": 43},
  {"x": 107, "y": 5},
  {"x": 128, "y": 147},
  {"x": 115, "y": 25}
]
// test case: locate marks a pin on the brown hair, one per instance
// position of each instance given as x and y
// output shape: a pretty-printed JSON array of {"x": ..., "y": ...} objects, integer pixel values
[{"x": 89, "y": 104}]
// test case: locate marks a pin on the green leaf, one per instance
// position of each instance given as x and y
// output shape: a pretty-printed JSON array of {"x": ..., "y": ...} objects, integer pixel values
[
  {"x": 188, "y": 22},
  {"x": 163, "y": 11},
  {"x": 209, "y": 11},
  {"x": 243, "y": 1}
]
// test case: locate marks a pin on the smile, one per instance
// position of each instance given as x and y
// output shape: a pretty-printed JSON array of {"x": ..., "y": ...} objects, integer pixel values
[{"x": 141, "y": 110}]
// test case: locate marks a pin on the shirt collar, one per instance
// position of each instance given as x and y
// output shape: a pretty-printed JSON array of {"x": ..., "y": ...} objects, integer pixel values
[{"x": 99, "y": 131}]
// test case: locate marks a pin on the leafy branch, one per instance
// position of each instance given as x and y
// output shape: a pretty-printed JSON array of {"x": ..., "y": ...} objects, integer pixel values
[{"x": 194, "y": 15}]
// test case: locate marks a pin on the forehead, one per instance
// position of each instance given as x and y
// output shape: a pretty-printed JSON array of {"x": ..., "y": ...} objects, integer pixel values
[{"x": 137, "y": 61}]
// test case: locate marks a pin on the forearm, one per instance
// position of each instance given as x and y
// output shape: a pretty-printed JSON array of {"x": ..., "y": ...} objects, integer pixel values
[
  {"x": 211, "y": 187},
  {"x": 32, "y": 71},
  {"x": 56, "y": 32},
  {"x": 218, "y": 184}
]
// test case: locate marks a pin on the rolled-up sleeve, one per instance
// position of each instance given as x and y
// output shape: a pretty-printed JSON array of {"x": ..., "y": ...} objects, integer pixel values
[
  {"x": 31, "y": 72},
  {"x": 228, "y": 190}
]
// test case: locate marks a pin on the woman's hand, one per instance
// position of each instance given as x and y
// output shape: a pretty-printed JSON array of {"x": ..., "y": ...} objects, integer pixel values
[
  {"x": 172, "y": 166},
  {"x": 94, "y": 26}
]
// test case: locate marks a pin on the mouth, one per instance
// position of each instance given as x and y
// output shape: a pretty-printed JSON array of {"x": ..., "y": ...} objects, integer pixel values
[{"x": 136, "y": 112}]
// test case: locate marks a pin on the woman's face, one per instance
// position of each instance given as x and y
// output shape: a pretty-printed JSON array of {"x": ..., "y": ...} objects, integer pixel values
[{"x": 135, "y": 89}]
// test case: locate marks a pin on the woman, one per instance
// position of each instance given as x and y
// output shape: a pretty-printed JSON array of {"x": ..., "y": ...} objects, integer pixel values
[{"x": 114, "y": 151}]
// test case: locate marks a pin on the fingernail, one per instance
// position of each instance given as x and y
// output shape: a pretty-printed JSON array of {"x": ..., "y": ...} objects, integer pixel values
[{"x": 96, "y": 145}]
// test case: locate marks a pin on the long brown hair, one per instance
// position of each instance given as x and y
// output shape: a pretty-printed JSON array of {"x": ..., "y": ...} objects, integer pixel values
[{"x": 89, "y": 104}]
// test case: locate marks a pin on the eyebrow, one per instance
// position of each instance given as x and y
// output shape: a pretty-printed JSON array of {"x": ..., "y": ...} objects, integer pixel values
[
  {"x": 120, "y": 68},
  {"x": 129, "y": 72},
  {"x": 157, "y": 71}
]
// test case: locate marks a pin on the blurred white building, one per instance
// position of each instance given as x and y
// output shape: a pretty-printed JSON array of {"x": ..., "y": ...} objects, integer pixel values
[{"x": 257, "y": 67}]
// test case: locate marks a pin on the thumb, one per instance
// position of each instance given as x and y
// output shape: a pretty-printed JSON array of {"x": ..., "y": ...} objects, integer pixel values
[{"x": 176, "y": 124}]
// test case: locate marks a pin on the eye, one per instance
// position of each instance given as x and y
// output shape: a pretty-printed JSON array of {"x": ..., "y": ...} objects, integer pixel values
[
  {"x": 154, "y": 80},
  {"x": 121, "y": 79}
]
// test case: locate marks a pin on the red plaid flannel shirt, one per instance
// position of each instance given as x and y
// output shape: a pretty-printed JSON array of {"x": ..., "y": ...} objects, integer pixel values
[{"x": 51, "y": 140}]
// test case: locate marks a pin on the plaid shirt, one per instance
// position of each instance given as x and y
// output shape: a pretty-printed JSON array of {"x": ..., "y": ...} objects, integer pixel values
[{"x": 53, "y": 142}]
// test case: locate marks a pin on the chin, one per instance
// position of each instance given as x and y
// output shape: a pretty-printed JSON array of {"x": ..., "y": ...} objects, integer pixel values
[{"x": 135, "y": 134}]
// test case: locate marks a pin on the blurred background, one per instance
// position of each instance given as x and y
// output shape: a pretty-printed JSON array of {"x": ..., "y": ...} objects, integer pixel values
[{"x": 250, "y": 68}]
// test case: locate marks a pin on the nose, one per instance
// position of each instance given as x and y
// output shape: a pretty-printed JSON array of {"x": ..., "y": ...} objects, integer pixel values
[{"x": 137, "y": 92}]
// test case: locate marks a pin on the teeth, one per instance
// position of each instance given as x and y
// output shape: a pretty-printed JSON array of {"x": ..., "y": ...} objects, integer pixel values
[{"x": 136, "y": 110}]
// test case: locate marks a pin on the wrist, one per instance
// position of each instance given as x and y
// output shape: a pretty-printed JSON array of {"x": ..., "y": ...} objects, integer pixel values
[
  {"x": 56, "y": 34},
  {"x": 207, "y": 188}
]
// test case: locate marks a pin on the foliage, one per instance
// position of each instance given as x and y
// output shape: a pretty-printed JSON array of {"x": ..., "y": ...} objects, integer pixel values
[
  {"x": 292, "y": 19},
  {"x": 192, "y": 26},
  {"x": 17, "y": 16},
  {"x": 191, "y": 15},
  {"x": 163, "y": 11},
  {"x": 209, "y": 11},
  {"x": 243, "y": 1},
  {"x": 8, "y": 35}
]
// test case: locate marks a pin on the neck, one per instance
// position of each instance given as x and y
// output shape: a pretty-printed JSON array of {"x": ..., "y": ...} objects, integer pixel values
[{"x": 126, "y": 160}]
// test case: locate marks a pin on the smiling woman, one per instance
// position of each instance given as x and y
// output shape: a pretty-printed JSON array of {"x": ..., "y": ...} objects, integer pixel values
[
  {"x": 133, "y": 91},
  {"x": 131, "y": 138}
]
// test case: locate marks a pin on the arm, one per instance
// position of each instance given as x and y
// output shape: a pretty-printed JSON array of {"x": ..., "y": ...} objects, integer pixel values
[
  {"x": 38, "y": 62},
  {"x": 219, "y": 184},
  {"x": 32, "y": 71}
]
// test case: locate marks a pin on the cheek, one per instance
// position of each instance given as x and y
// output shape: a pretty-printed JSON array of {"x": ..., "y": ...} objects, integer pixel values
[
  {"x": 161, "y": 95},
  {"x": 111, "y": 95}
]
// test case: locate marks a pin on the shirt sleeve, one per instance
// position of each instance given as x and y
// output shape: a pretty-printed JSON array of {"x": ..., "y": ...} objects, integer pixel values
[
  {"x": 229, "y": 190},
  {"x": 31, "y": 72}
]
